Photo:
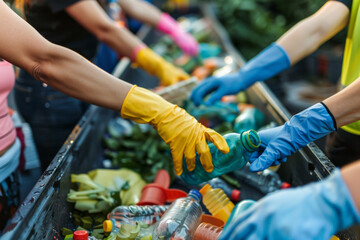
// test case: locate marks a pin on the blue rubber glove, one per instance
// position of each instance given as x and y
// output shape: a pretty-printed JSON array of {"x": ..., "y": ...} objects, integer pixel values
[
  {"x": 265, "y": 65},
  {"x": 280, "y": 142},
  {"x": 315, "y": 211}
]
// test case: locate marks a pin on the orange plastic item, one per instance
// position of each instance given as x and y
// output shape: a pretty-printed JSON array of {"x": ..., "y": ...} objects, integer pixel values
[
  {"x": 158, "y": 193},
  {"x": 205, "y": 218},
  {"x": 243, "y": 106},
  {"x": 201, "y": 72},
  {"x": 210, "y": 64},
  {"x": 207, "y": 231},
  {"x": 217, "y": 202}
]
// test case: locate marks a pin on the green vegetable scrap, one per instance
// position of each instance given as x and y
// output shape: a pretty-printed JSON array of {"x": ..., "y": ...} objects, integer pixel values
[{"x": 142, "y": 151}]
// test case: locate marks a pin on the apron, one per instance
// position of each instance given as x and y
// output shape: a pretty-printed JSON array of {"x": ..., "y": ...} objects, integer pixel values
[{"x": 351, "y": 62}]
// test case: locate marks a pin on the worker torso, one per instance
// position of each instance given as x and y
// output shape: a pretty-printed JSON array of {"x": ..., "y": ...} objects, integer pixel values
[
  {"x": 50, "y": 19},
  {"x": 351, "y": 62}
]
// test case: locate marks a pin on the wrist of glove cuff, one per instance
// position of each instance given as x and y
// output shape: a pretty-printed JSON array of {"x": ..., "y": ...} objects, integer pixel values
[{"x": 268, "y": 63}]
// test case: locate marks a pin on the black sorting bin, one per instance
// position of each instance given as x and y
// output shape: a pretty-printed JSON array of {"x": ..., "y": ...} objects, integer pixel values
[{"x": 45, "y": 210}]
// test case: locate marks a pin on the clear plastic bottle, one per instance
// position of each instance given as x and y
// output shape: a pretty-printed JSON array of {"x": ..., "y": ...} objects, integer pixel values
[
  {"x": 132, "y": 214},
  {"x": 181, "y": 219},
  {"x": 250, "y": 118},
  {"x": 216, "y": 201},
  {"x": 241, "y": 146},
  {"x": 266, "y": 182},
  {"x": 207, "y": 231}
]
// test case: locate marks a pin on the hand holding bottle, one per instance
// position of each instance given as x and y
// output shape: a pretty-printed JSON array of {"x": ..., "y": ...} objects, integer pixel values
[
  {"x": 280, "y": 142},
  {"x": 315, "y": 211},
  {"x": 184, "y": 134}
]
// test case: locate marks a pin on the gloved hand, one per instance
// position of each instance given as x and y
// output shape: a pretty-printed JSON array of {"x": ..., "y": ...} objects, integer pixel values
[
  {"x": 279, "y": 142},
  {"x": 156, "y": 65},
  {"x": 176, "y": 127},
  {"x": 184, "y": 40},
  {"x": 315, "y": 211},
  {"x": 265, "y": 65}
]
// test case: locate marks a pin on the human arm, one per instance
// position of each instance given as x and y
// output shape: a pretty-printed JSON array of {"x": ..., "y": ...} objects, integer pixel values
[
  {"x": 149, "y": 14},
  {"x": 307, "y": 126},
  {"x": 297, "y": 43},
  {"x": 92, "y": 17},
  {"x": 314, "y": 211},
  {"x": 71, "y": 74}
]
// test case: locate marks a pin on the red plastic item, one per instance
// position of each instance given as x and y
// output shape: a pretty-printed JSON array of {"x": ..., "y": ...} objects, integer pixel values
[
  {"x": 285, "y": 185},
  {"x": 207, "y": 231},
  {"x": 235, "y": 195},
  {"x": 81, "y": 235},
  {"x": 158, "y": 193}
]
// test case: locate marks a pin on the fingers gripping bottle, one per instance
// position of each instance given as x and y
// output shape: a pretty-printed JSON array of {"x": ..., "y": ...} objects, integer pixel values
[
  {"x": 216, "y": 201},
  {"x": 241, "y": 146},
  {"x": 181, "y": 219}
]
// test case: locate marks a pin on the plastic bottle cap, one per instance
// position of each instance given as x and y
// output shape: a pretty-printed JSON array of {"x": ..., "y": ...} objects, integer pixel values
[
  {"x": 107, "y": 226},
  {"x": 196, "y": 194},
  {"x": 205, "y": 189},
  {"x": 250, "y": 140},
  {"x": 285, "y": 185},
  {"x": 80, "y": 235},
  {"x": 235, "y": 195}
]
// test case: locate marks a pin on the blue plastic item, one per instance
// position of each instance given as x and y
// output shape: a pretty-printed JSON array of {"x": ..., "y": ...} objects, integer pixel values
[
  {"x": 208, "y": 50},
  {"x": 316, "y": 211},
  {"x": 241, "y": 146},
  {"x": 250, "y": 118},
  {"x": 265, "y": 65},
  {"x": 278, "y": 143}
]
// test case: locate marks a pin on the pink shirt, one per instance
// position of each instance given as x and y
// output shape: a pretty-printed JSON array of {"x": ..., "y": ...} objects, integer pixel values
[{"x": 7, "y": 81}]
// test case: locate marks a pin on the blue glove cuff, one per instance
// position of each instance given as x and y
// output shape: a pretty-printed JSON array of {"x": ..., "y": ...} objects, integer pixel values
[
  {"x": 336, "y": 197},
  {"x": 311, "y": 124},
  {"x": 269, "y": 62}
]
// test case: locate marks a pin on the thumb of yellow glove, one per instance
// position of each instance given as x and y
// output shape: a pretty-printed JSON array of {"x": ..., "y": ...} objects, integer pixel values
[
  {"x": 184, "y": 134},
  {"x": 156, "y": 65}
]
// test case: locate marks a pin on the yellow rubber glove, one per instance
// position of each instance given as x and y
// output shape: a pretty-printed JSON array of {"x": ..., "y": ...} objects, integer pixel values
[
  {"x": 182, "y": 132},
  {"x": 156, "y": 65}
]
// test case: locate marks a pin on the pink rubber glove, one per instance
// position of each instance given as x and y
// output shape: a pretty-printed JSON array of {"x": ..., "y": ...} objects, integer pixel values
[{"x": 185, "y": 41}]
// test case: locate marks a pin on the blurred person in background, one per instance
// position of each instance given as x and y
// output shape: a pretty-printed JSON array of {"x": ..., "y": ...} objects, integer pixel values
[
  {"x": 304, "y": 38},
  {"x": 80, "y": 25},
  {"x": 46, "y": 62}
]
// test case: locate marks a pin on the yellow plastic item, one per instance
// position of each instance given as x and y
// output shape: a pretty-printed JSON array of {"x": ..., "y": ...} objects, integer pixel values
[
  {"x": 182, "y": 132},
  {"x": 105, "y": 177},
  {"x": 107, "y": 226},
  {"x": 334, "y": 238},
  {"x": 217, "y": 202},
  {"x": 350, "y": 68},
  {"x": 156, "y": 65}
]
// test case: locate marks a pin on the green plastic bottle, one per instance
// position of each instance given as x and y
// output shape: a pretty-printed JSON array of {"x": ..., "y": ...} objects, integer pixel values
[
  {"x": 241, "y": 146},
  {"x": 250, "y": 118}
]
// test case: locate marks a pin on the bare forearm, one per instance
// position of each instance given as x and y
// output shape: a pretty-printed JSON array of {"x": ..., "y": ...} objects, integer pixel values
[
  {"x": 75, "y": 76},
  {"x": 306, "y": 36},
  {"x": 344, "y": 105},
  {"x": 61, "y": 68},
  {"x": 120, "y": 39},
  {"x": 92, "y": 17},
  {"x": 350, "y": 174},
  {"x": 142, "y": 11}
]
